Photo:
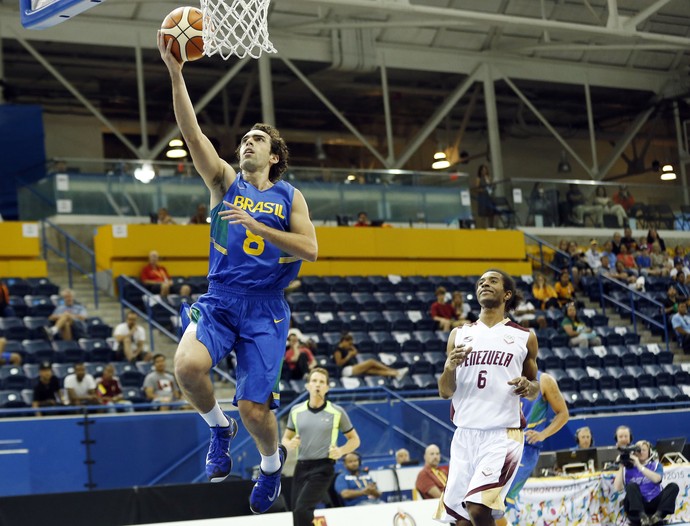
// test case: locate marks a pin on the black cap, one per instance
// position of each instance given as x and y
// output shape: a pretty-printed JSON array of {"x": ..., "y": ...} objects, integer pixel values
[{"x": 45, "y": 365}]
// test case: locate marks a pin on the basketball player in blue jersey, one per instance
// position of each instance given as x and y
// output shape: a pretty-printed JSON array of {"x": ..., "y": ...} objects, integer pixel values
[
  {"x": 545, "y": 417},
  {"x": 260, "y": 233},
  {"x": 490, "y": 364}
]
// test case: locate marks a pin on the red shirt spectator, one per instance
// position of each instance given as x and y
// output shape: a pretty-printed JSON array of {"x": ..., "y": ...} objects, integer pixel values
[{"x": 443, "y": 312}]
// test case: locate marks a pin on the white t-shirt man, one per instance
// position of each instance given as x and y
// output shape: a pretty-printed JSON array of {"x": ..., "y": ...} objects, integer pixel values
[
  {"x": 82, "y": 388},
  {"x": 122, "y": 329}
]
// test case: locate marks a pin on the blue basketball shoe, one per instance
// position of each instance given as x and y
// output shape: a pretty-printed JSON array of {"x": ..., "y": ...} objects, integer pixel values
[
  {"x": 218, "y": 461},
  {"x": 267, "y": 487}
]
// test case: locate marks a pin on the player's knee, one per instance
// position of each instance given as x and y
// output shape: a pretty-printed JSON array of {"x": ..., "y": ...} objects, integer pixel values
[
  {"x": 478, "y": 512},
  {"x": 188, "y": 369},
  {"x": 252, "y": 414}
]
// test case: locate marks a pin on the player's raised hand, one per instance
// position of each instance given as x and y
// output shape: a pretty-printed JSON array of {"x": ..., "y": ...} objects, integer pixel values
[
  {"x": 173, "y": 64},
  {"x": 457, "y": 356}
]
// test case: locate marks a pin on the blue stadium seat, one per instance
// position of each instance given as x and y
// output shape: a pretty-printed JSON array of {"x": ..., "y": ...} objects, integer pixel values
[
  {"x": 12, "y": 377},
  {"x": 385, "y": 341},
  {"x": 323, "y": 302},
  {"x": 425, "y": 381},
  {"x": 422, "y": 283},
  {"x": 11, "y": 399},
  {"x": 411, "y": 302},
  {"x": 405, "y": 383},
  {"x": 394, "y": 360},
  {"x": 654, "y": 394},
  {"x": 13, "y": 329},
  {"x": 379, "y": 284},
  {"x": 631, "y": 338},
  {"x": 565, "y": 382},
  {"x": 352, "y": 382},
  {"x": 390, "y": 301},
  {"x": 376, "y": 381},
  {"x": 97, "y": 350},
  {"x": 18, "y": 286},
  {"x": 345, "y": 302},
  {"x": 606, "y": 379},
  {"x": 593, "y": 397},
  {"x": 584, "y": 381},
  {"x": 360, "y": 283},
  {"x": 20, "y": 307},
  {"x": 437, "y": 359},
  {"x": 365, "y": 342},
  {"x": 411, "y": 345},
  {"x": 36, "y": 326},
  {"x": 614, "y": 396},
  {"x": 306, "y": 322},
  {"x": 417, "y": 363},
  {"x": 300, "y": 302},
  {"x": 376, "y": 321},
  {"x": 39, "y": 305},
  {"x": 198, "y": 284},
  {"x": 31, "y": 371},
  {"x": 544, "y": 353},
  {"x": 315, "y": 284},
  {"x": 334, "y": 383},
  {"x": 398, "y": 320},
  {"x": 95, "y": 369},
  {"x": 568, "y": 357},
  {"x": 674, "y": 393},
  {"x": 367, "y": 301},
  {"x": 337, "y": 284},
  {"x": 96, "y": 328},
  {"x": 43, "y": 287},
  {"x": 136, "y": 395},
  {"x": 61, "y": 370},
  {"x": 623, "y": 378},
  {"x": 131, "y": 378},
  {"x": 680, "y": 376},
  {"x": 643, "y": 379},
  {"x": 328, "y": 341},
  {"x": 587, "y": 357},
  {"x": 38, "y": 351},
  {"x": 68, "y": 351},
  {"x": 353, "y": 321}
]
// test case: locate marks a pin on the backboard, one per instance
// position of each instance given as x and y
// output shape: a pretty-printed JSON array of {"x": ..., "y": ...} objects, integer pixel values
[{"x": 40, "y": 14}]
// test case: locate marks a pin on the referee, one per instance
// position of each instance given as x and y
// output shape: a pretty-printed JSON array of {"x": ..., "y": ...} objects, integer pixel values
[{"x": 312, "y": 429}]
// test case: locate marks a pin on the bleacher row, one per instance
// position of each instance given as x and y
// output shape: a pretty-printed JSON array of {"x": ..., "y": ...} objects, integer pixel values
[{"x": 17, "y": 382}]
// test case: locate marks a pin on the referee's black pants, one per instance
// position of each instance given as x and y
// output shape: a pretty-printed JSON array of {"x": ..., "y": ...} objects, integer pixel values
[{"x": 310, "y": 485}]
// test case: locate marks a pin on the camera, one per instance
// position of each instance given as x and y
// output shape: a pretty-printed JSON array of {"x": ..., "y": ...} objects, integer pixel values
[{"x": 624, "y": 457}]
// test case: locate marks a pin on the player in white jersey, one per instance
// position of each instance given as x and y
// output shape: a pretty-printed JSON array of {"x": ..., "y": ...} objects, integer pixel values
[{"x": 490, "y": 364}]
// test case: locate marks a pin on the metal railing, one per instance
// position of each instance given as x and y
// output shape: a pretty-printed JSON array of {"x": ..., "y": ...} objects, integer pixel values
[
  {"x": 70, "y": 242},
  {"x": 630, "y": 306},
  {"x": 543, "y": 263}
]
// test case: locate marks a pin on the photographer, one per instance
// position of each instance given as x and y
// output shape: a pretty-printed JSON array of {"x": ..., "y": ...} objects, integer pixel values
[{"x": 641, "y": 473}]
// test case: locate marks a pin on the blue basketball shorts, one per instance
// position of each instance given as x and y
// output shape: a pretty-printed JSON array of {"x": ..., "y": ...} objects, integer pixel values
[
  {"x": 255, "y": 326},
  {"x": 530, "y": 456}
]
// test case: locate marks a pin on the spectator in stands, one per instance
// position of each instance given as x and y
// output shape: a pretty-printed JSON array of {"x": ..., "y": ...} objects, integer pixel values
[
  {"x": 164, "y": 217},
  {"x": 463, "y": 312},
  {"x": 681, "y": 325},
  {"x": 681, "y": 284},
  {"x": 541, "y": 205},
  {"x": 8, "y": 358},
  {"x": 579, "y": 265},
  {"x": 432, "y": 479},
  {"x": 544, "y": 292},
  {"x": 47, "y": 392},
  {"x": 609, "y": 207},
  {"x": 623, "y": 274},
  {"x": 679, "y": 266},
  {"x": 628, "y": 240},
  {"x": 624, "y": 198},
  {"x": 155, "y": 277},
  {"x": 616, "y": 243},
  {"x": 131, "y": 339},
  {"x": 346, "y": 359},
  {"x": 579, "y": 208},
  {"x": 6, "y": 310},
  {"x": 623, "y": 436},
  {"x": 608, "y": 252},
  {"x": 565, "y": 291},
  {"x": 645, "y": 503},
  {"x": 298, "y": 358},
  {"x": 81, "y": 387},
  {"x": 671, "y": 301},
  {"x": 660, "y": 260},
  {"x": 356, "y": 486},
  {"x": 593, "y": 256},
  {"x": 628, "y": 260},
  {"x": 583, "y": 438},
  {"x": 109, "y": 390},
  {"x": 402, "y": 457},
  {"x": 442, "y": 312},
  {"x": 316, "y": 421},
  {"x": 68, "y": 319},
  {"x": 484, "y": 189},
  {"x": 679, "y": 252},
  {"x": 160, "y": 386},
  {"x": 362, "y": 219},
  {"x": 201, "y": 215},
  {"x": 525, "y": 314},
  {"x": 580, "y": 335}
]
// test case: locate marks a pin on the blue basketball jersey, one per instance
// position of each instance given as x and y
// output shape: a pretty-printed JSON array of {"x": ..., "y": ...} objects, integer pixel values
[
  {"x": 242, "y": 260},
  {"x": 538, "y": 413}
]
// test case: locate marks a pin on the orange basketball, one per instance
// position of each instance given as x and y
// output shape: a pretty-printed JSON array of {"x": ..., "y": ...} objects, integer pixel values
[{"x": 184, "y": 26}]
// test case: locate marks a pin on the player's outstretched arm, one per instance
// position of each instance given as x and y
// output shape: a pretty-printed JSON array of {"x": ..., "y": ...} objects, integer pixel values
[
  {"x": 216, "y": 173},
  {"x": 300, "y": 241},
  {"x": 552, "y": 394}
]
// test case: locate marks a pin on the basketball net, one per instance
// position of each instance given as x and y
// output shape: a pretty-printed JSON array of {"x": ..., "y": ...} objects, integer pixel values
[{"x": 237, "y": 28}]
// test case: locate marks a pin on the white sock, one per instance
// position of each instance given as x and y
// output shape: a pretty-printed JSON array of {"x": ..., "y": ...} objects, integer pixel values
[
  {"x": 54, "y": 330},
  {"x": 270, "y": 464},
  {"x": 215, "y": 417}
]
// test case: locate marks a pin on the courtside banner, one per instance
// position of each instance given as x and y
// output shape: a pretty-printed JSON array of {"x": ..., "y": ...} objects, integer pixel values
[{"x": 588, "y": 499}]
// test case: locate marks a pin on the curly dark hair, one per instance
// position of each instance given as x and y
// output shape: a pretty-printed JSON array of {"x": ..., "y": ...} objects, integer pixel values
[
  {"x": 278, "y": 147},
  {"x": 508, "y": 286}
]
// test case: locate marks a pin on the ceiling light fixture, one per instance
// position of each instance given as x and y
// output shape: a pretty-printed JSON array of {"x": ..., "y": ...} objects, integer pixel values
[
  {"x": 667, "y": 173},
  {"x": 176, "y": 149},
  {"x": 441, "y": 162}
]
